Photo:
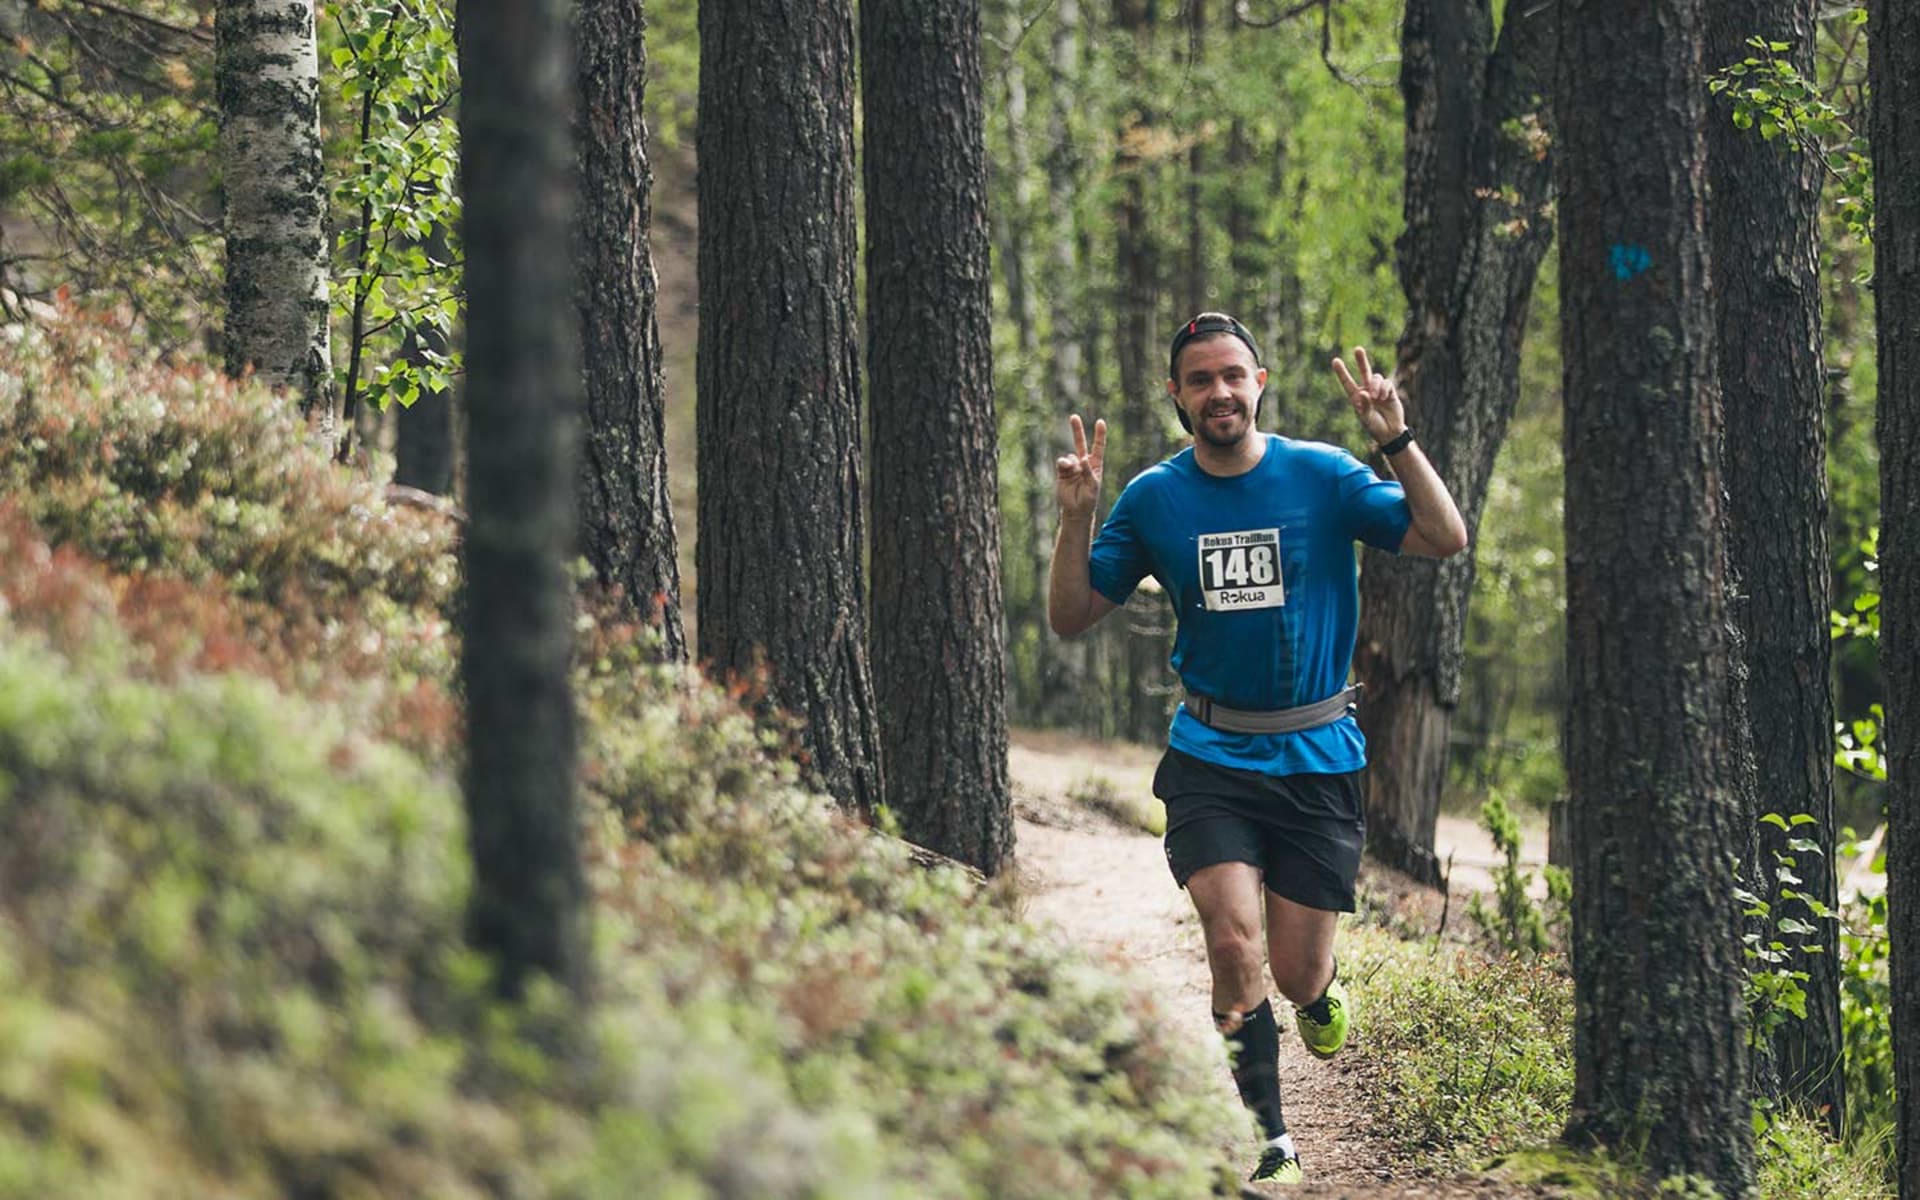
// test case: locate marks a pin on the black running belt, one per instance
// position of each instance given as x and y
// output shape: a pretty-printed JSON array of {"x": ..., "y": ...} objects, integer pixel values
[{"x": 1276, "y": 720}]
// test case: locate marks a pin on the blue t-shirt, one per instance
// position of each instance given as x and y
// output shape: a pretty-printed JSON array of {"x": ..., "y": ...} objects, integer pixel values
[{"x": 1260, "y": 570}]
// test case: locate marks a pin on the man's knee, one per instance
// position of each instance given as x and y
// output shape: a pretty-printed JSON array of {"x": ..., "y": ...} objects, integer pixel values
[
  {"x": 1234, "y": 949},
  {"x": 1227, "y": 898},
  {"x": 1303, "y": 980}
]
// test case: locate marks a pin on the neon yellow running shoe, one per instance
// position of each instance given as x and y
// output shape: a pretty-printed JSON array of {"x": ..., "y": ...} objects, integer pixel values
[
  {"x": 1323, "y": 1024},
  {"x": 1278, "y": 1164}
]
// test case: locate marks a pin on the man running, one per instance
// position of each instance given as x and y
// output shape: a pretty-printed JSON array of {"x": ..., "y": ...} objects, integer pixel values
[{"x": 1251, "y": 537}]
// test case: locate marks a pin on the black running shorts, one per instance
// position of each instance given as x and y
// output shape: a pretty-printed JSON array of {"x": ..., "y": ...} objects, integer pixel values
[{"x": 1303, "y": 831}]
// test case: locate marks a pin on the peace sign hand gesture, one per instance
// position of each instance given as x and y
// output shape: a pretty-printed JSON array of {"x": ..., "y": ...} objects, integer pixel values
[
  {"x": 1077, "y": 475},
  {"x": 1374, "y": 398}
]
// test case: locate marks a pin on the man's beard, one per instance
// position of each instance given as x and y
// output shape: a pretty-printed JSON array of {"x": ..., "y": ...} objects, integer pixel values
[{"x": 1202, "y": 430}]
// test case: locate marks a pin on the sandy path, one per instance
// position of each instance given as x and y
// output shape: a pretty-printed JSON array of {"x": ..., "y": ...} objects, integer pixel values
[{"x": 1106, "y": 887}]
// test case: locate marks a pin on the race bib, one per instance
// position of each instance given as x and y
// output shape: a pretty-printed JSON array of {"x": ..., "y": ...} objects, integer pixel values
[{"x": 1241, "y": 570}]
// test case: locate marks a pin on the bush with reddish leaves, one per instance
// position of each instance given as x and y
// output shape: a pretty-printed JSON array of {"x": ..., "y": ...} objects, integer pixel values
[{"x": 232, "y": 881}]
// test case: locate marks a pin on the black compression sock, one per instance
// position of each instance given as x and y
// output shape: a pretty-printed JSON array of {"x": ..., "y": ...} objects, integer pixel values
[
  {"x": 1255, "y": 1046},
  {"x": 1318, "y": 1009}
]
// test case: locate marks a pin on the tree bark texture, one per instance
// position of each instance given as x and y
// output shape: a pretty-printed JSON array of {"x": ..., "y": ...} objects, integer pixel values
[
  {"x": 1764, "y": 224},
  {"x": 781, "y": 530},
  {"x": 267, "y": 85},
  {"x": 1479, "y": 185},
  {"x": 626, "y": 516},
  {"x": 1893, "y": 33},
  {"x": 529, "y": 902},
  {"x": 1659, "y": 1022},
  {"x": 939, "y": 638}
]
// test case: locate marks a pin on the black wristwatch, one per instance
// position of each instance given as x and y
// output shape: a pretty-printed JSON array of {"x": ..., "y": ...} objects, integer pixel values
[{"x": 1398, "y": 444}]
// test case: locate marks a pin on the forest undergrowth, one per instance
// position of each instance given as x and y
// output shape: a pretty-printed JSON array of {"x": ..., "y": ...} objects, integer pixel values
[{"x": 233, "y": 875}]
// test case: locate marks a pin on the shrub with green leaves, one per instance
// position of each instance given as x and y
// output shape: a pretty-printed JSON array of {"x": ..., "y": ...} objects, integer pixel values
[
  {"x": 231, "y": 905},
  {"x": 1476, "y": 1053},
  {"x": 193, "y": 488},
  {"x": 1516, "y": 925},
  {"x": 155, "y": 467}
]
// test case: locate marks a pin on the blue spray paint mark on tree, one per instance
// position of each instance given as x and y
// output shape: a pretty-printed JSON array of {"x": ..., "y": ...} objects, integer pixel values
[{"x": 1628, "y": 259}]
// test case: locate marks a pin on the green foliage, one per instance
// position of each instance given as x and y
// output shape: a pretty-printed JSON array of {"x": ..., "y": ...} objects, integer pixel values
[
  {"x": 1476, "y": 1062},
  {"x": 673, "y": 71},
  {"x": 107, "y": 139},
  {"x": 1770, "y": 95},
  {"x": 1506, "y": 729},
  {"x": 223, "y": 910},
  {"x": 1586, "y": 1174},
  {"x": 397, "y": 261},
  {"x": 1780, "y": 933},
  {"x": 1866, "y": 994},
  {"x": 179, "y": 471},
  {"x": 1798, "y": 1161},
  {"x": 1866, "y": 1022},
  {"x": 1859, "y": 746},
  {"x": 1476, "y": 1054},
  {"x": 1516, "y": 925},
  {"x": 231, "y": 959}
]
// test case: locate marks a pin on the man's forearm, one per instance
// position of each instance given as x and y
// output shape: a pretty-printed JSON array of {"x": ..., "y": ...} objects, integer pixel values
[
  {"x": 1435, "y": 516},
  {"x": 1069, "y": 585}
]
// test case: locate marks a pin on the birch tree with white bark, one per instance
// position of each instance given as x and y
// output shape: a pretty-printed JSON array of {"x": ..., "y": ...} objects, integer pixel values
[{"x": 267, "y": 84}]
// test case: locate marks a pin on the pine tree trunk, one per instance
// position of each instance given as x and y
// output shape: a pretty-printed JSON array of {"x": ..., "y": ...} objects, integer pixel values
[
  {"x": 781, "y": 528},
  {"x": 267, "y": 83},
  {"x": 1477, "y": 196},
  {"x": 938, "y": 628},
  {"x": 529, "y": 903},
  {"x": 1764, "y": 221},
  {"x": 1659, "y": 1021},
  {"x": 626, "y": 515},
  {"x": 1893, "y": 32}
]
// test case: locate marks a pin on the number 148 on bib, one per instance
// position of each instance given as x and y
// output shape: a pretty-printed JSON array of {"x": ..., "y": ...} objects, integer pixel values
[{"x": 1241, "y": 570}]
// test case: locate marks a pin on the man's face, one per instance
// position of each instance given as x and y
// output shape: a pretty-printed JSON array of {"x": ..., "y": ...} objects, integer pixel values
[{"x": 1219, "y": 389}]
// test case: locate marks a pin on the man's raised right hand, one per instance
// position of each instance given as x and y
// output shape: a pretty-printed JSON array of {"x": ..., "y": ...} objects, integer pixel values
[{"x": 1077, "y": 475}]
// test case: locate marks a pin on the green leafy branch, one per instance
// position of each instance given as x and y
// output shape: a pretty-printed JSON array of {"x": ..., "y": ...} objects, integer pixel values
[
  {"x": 397, "y": 257},
  {"x": 1516, "y": 925},
  {"x": 1775, "y": 989},
  {"x": 1858, "y": 746},
  {"x": 106, "y": 124},
  {"x": 1771, "y": 95}
]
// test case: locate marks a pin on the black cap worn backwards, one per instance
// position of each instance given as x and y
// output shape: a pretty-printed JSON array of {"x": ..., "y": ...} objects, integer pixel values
[{"x": 1202, "y": 325}]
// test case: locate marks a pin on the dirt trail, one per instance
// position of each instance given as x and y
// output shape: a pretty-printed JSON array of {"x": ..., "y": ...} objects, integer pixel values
[{"x": 1105, "y": 886}]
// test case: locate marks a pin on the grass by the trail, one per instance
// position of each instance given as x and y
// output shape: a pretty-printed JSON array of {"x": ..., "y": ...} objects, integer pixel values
[
  {"x": 1471, "y": 1057},
  {"x": 1100, "y": 793},
  {"x": 1474, "y": 1054}
]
